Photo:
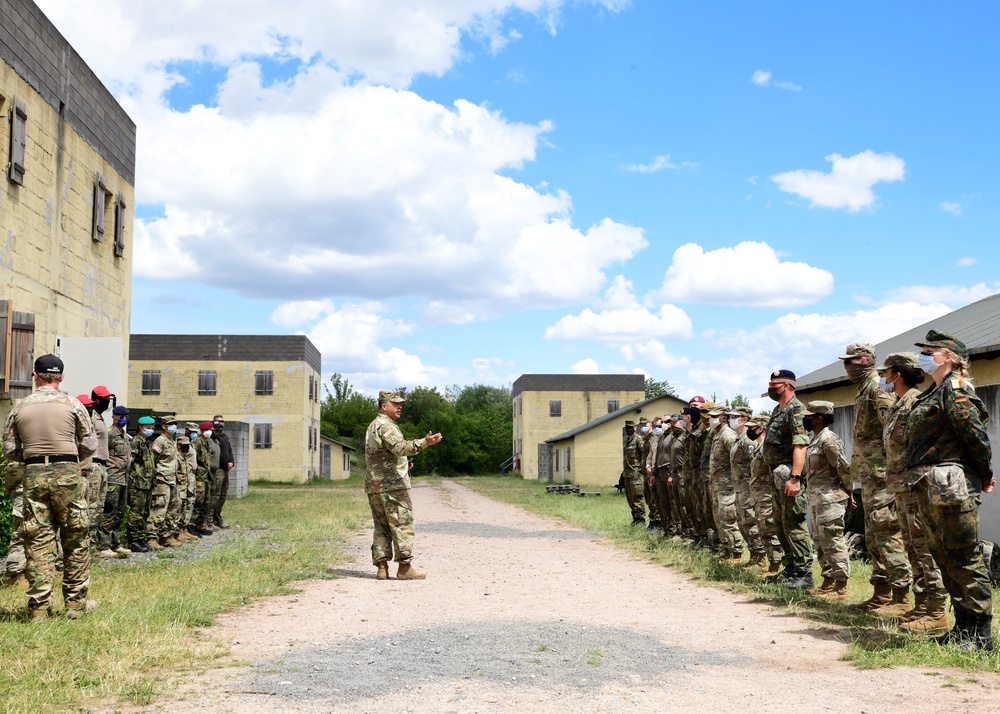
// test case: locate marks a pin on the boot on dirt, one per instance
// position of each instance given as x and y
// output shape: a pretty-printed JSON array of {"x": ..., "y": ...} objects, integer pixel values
[
  {"x": 881, "y": 596},
  {"x": 408, "y": 572},
  {"x": 826, "y": 587},
  {"x": 838, "y": 593},
  {"x": 899, "y": 604},
  {"x": 76, "y": 610},
  {"x": 918, "y": 610},
  {"x": 934, "y": 622},
  {"x": 383, "y": 571}
]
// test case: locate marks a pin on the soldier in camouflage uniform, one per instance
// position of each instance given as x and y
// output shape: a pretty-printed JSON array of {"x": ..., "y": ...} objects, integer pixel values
[
  {"x": 186, "y": 486},
  {"x": 784, "y": 451},
  {"x": 16, "y": 560},
  {"x": 704, "y": 483},
  {"x": 190, "y": 458},
  {"x": 692, "y": 472},
  {"x": 949, "y": 458},
  {"x": 119, "y": 458},
  {"x": 761, "y": 489},
  {"x": 387, "y": 484},
  {"x": 828, "y": 478},
  {"x": 140, "y": 485},
  {"x": 723, "y": 489},
  {"x": 890, "y": 568},
  {"x": 900, "y": 375},
  {"x": 203, "y": 511},
  {"x": 100, "y": 400},
  {"x": 164, "y": 448},
  {"x": 740, "y": 456},
  {"x": 659, "y": 464},
  {"x": 632, "y": 470},
  {"x": 648, "y": 493},
  {"x": 203, "y": 481},
  {"x": 49, "y": 431},
  {"x": 675, "y": 477}
]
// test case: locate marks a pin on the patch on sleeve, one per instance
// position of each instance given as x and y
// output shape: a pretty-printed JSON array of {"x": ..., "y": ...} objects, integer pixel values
[
  {"x": 960, "y": 399},
  {"x": 158, "y": 448}
]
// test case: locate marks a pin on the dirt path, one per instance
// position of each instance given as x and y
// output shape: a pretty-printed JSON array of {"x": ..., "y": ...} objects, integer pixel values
[{"x": 524, "y": 614}]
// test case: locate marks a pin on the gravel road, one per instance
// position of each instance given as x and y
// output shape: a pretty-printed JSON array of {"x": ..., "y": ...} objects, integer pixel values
[{"x": 524, "y": 614}]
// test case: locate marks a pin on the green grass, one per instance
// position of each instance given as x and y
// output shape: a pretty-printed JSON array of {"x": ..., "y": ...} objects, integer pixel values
[
  {"x": 143, "y": 637},
  {"x": 873, "y": 642}
]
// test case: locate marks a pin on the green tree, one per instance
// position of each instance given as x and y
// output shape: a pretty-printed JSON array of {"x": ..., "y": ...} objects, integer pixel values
[
  {"x": 659, "y": 389},
  {"x": 740, "y": 401},
  {"x": 345, "y": 414}
]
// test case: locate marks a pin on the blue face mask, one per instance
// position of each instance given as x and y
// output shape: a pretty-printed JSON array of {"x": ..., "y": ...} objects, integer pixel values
[
  {"x": 147, "y": 432},
  {"x": 194, "y": 435},
  {"x": 123, "y": 422},
  {"x": 886, "y": 386},
  {"x": 172, "y": 429}
]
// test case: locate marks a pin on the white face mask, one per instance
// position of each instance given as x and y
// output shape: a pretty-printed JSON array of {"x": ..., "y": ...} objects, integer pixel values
[
  {"x": 657, "y": 430},
  {"x": 927, "y": 363},
  {"x": 713, "y": 421},
  {"x": 207, "y": 433},
  {"x": 734, "y": 423}
]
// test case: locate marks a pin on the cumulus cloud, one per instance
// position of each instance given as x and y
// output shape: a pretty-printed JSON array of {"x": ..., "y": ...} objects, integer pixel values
[
  {"x": 659, "y": 163},
  {"x": 293, "y": 314},
  {"x": 585, "y": 366},
  {"x": 849, "y": 183},
  {"x": 653, "y": 353},
  {"x": 967, "y": 262},
  {"x": 749, "y": 274},
  {"x": 952, "y": 207},
  {"x": 763, "y": 78},
  {"x": 954, "y": 295}
]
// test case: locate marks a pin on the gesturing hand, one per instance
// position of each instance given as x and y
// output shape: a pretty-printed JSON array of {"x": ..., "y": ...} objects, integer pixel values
[{"x": 432, "y": 439}]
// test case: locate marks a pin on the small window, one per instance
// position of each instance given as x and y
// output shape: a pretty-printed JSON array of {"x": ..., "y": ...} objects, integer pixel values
[
  {"x": 101, "y": 204},
  {"x": 150, "y": 381},
  {"x": 519, "y": 446},
  {"x": 555, "y": 459},
  {"x": 120, "y": 226},
  {"x": 347, "y": 462},
  {"x": 206, "y": 382},
  {"x": 612, "y": 405},
  {"x": 265, "y": 382},
  {"x": 555, "y": 408},
  {"x": 18, "y": 140},
  {"x": 567, "y": 458},
  {"x": 262, "y": 436}
]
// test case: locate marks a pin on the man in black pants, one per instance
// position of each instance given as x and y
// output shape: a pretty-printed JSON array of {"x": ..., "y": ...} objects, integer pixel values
[{"x": 226, "y": 463}]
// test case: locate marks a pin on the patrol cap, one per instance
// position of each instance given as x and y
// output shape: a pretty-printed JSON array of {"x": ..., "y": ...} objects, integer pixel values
[
  {"x": 183, "y": 440},
  {"x": 101, "y": 391},
  {"x": 675, "y": 418},
  {"x": 707, "y": 406},
  {"x": 387, "y": 396},
  {"x": 48, "y": 364},
  {"x": 120, "y": 411},
  {"x": 146, "y": 421},
  {"x": 819, "y": 407},
  {"x": 629, "y": 423},
  {"x": 191, "y": 426},
  {"x": 643, "y": 420},
  {"x": 859, "y": 349},
  {"x": 783, "y": 375},
  {"x": 718, "y": 410},
  {"x": 936, "y": 338},
  {"x": 900, "y": 359},
  {"x": 168, "y": 420},
  {"x": 206, "y": 425},
  {"x": 84, "y": 399},
  {"x": 741, "y": 412}
]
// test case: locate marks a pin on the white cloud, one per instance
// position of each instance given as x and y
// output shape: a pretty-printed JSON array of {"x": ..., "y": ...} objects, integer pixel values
[
  {"x": 293, "y": 314},
  {"x": 749, "y": 274},
  {"x": 849, "y": 183},
  {"x": 967, "y": 262},
  {"x": 585, "y": 366},
  {"x": 762, "y": 78},
  {"x": 953, "y": 295},
  {"x": 349, "y": 337},
  {"x": 659, "y": 163},
  {"x": 952, "y": 207},
  {"x": 654, "y": 353},
  {"x": 791, "y": 86}
]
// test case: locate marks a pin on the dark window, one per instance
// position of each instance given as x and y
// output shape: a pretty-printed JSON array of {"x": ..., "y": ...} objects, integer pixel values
[
  {"x": 150, "y": 381},
  {"x": 555, "y": 460},
  {"x": 262, "y": 436},
  {"x": 120, "y": 226},
  {"x": 18, "y": 140},
  {"x": 567, "y": 458},
  {"x": 555, "y": 408},
  {"x": 265, "y": 382},
  {"x": 100, "y": 205},
  {"x": 206, "y": 382},
  {"x": 612, "y": 405}
]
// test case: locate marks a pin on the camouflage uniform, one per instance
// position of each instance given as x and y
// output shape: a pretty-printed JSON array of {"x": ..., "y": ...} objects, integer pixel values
[
  {"x": 678, "y": 489},
  {"x": 763, "y": 503},
  {"x": 648, "y": 493},
  {"x": 203, "y": 480},
  {"x": 746, "y": 516},
  {"x": 97, "y": 478},
  {"x": 140, "y": 486},
  {"x": 632, "y": 462},
  {"x": 704, "y": 483},
  {"x": 191, "y": 474},
  {"x": 724, "y": 490},
  {"x": 203, "y": 515},
  {"x": 387, "y": 484},
  {"x": 164, "y": 493},
  {"x": 54, "y": 496},
  {"x": 785, "y": 431},
  {"x": 689, "y": 473},
  {"x": 660, "y": 463},
  {"x": 119, "y": 458},
  {"x": 828, "y": 478},
  {"x": 16, "y": 560}
]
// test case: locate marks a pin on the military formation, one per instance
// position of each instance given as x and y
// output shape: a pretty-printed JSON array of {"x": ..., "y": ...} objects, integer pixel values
[
  {"x": 777, "y": 487},
  {"x": 82, "y": 489}
]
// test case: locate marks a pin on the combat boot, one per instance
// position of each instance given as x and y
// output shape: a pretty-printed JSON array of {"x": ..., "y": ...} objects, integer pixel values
[
  {"x": 171, "y": 542},
  {"x": 800, "y": 581},
  {"x": 826, "y": 587},
  {"x": 407, "y": 572},
  {"x": 138, "y": 546},
  {"x": 881, "y": 596},
  {"x": 772, "y": 574},
  {"x": 757, "y": 560},
  {"x": 106, "y": 553},
  {"x": 123, "y": 552},
  {"x": 383, "y": 571},
  {"x": 76, "y": 610},
  {"x": 934, "y": 621},
  {"x": 899, "y": 604},
  {"x": 957, "y": 631},
  {"x": 838, "y": 593},
  {"x": 153, "y": 544},
  {"x": 918, "y": 610}
]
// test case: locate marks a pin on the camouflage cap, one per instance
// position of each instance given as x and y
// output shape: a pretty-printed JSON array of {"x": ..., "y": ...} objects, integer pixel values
[
  {"x": 936, "y": 338},
  {"x": 707, "y": 406},
  {"x": 191, "y": 426},
  {"x": 900, "y": 359},
  {"x": 147, "y": 420},
  {"x": 819, "y": 407},
  {"x": 759, "y": 420},
  {"x": 643, "y": 420},
  {"x": 676, "y": 418},
  {"x": 183, "y": 440},
  {"x": 741, "y": 412},
  {"x": 718, "y": 410},
  {"x": 387, "y": 396},
  {"x": 168, "y": 420},
  {"x": 859, "y": 349}
]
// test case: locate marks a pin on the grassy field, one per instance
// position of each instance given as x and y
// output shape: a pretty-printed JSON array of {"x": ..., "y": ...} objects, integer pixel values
[
  {"x": 144, "y": 635},
  {"x": 873, "y": 642}
]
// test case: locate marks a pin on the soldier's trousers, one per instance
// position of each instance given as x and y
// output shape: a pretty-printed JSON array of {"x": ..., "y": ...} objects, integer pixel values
[
  {"x": 203, "y": 501},
  {"x": 796, "y": 546},
  {"x": 392, "y": 516},
  {"x": 222, "y": 490},
  {"x": 708, "y": 505},
  {"x": 175, "y": 511},
  {"x": 635, "y": 497},
  {"x": 926, "y": 573},
  {"x": 54, "y": 498},
  {"x": 764, "y": 508},
  {"x": 725, "y": 518},
  {"x": 158, "y": 525},
  {"x": 190, "y": 497},
  {"x": 137, "y": 524},
  {"x": 112, "y": 517},
  {"x": 649, "y": 495},
  {"x": 97, "y": 484},
  {"x": 661, "y": 491},
  {"x": 952, "y": 527},
  {"x": 746, "y": 517},
  {"x": 16, "y": 559},
  {"x": 882, "y": 535},
  {"x": 688, "y": 511},
  {"x": 676, "y": 507},
  {"x": 831, "y": 545}
]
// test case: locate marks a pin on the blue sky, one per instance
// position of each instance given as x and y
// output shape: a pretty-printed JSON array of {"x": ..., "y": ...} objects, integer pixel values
[{"x": 443, "y": 192}]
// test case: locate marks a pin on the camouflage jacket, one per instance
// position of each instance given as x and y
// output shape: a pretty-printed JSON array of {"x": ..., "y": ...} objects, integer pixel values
[
  {"x": 678, "y": 449},
  {"x": 165, "y": 454},
  {"x": 83, "y": 428},
  {"x": 827, "y": 471},
  {"x": 948, "y": 424},
  {"x": 739, "y": 458},
  {"x": 663, "y": 446},
  {"x": 871, "y": 408},
  {"x": 894, "y": 439},
  {"x": 704, "y": 467},
  {"x": 784, "y": 431},
  {"x": 143, "y": 468},
  {"x": 760, "y": 473},
  {"x": 386, "y": 452},
  {"x": 720, "y": 466},
  {"x": 119, "y": 457},
  {"x": 692, "y": 453},
  {"x": 649, "y": 450},
  {"x": 632, "y": 457},
  {"x": 203, "y": 459}
]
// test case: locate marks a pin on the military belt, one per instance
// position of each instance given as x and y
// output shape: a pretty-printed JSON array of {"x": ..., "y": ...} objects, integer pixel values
[
  {"x": 102, "y": 462},
  {"x": 51, "y": 459}
]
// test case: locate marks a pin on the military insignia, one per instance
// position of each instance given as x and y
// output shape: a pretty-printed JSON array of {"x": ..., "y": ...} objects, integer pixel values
[
  {"x": 960, "y": 399},
  {"x": 795, "y": 414}
]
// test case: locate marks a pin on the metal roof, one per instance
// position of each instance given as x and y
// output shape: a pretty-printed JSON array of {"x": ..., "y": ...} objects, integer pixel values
[
  {"x": 612, "y": 415},
  {"x": 578, "y": 383},
  {"x": 977, "y": 325},
  {"x": 346, "y": 446}
]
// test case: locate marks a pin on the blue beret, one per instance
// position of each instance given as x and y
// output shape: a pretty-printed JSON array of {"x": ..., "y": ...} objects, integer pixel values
[
  {"x": 783, "y": 374},
  {"x": 120, "y": 411}
]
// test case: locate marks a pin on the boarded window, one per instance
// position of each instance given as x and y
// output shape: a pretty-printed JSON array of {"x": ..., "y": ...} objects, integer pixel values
[
  {"x": 265, "y": 382},
  {"x": 555, "y": 408},
  {"x": 347, "y": 463},
  {"x": 17, "y": 350},
  {"x": 262, "y": 436},
  {"x": 567, "y": 458},
  {"x": 150, "y": 381},
  {"x": 206, "y": 382},
  {"x": 100, "y": 203},
  {"x": 555, "y": 460},
  {"x": 18, "y": 140},
  {"x": 120, "y": 226},
  {"x": 312, "y": 388},
  {"x": 612, "y": 405}
]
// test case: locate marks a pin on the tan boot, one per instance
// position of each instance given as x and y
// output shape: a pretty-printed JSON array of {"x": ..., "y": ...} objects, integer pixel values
[
  {"x": 383, "y": 571},
  {"x": 932, "y": 624},
  {"x": 154, "y": 544},
  {"x": 838, "y": 593},
  {"x": 826, "y": 587},
  {"x": 772, "y": 569},
  {"x": 881, "y": 596},
  {"x": 919, "y": 608},
  {"x": 76, "y": 610},
  {"x": 757, "y": 560},
  {"x": 899, "y": 604},
  {"x": 408, "y": 572},
  {"x": 123, "y": 552}
]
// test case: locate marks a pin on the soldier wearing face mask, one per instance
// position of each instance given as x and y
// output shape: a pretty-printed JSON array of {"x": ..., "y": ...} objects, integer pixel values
[
  {"x": 119, "y": 459},
  {"x": 140, "y": 485},
  {"x": 650, "y": 436},
  {"x": 704, "y": 483},
  {"x": 226, "y": 462},
  {"x": 723, "y": 490},
  {"x": 675, "y": 477},
  {"x": 762, "y": 492},
  {"x": 632, "y": 463},
  {"x": 739, "y": 457},
  {"x": 661, "y": 487},
  {"x": 691, "y": 468},
  {"x": 161, "y": 526},
  {"x": 100, "y": 399}
]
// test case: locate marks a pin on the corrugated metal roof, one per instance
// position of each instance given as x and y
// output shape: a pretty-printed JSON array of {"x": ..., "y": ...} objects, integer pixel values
[
  {"x": 578, "y": 383},
  {"x": 977, "y": 325},
  {"x": 612, "y": 415}
]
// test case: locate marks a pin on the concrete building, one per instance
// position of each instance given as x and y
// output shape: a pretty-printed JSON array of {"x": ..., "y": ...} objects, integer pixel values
[
  {"x": 591, "y": 454},
  {"x": 269, "y": 382},
  {"x": 545, "y": 405},
  {"x": 334, "y": 459},
  {"x": 978, "y": 326},
  {"x": 67, "y": 152}
]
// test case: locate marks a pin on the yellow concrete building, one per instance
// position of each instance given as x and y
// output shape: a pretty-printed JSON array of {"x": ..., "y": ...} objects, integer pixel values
[
  {"x": 591, "y": 454},
  {"x": 978, "y": 326},
  {"x": 545, "y": 405},
  {"x": 67, "y": 151},
  {"x": 271, "y": 383},
  {"x": 334, "y": 459}
]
